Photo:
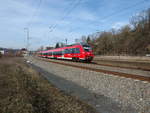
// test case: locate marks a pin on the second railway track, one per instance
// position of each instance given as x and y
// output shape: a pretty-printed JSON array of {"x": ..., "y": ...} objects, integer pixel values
[
  {"x": 92, "y": 68},
  {"x": 130, "y": 66}
]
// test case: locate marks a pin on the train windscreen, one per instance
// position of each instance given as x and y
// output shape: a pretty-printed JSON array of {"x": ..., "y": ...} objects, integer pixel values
[{"x": 87, "y": 48}]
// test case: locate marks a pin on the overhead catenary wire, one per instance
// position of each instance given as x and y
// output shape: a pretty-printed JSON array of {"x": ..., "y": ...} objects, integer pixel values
[
  {"x": 65, "y": 13},
  {"x": 31, "y": 19},
  {"x": 52, "y": 27},
  {"x": 120, "y": 11},
  {"x": 34, "y": 13},
  {"x": 124, "y": 9},
  {"x": 74, "y": 5}
]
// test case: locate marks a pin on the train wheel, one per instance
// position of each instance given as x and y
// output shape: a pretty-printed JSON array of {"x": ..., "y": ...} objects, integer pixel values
[
  {"x": 73, "y": 59},
  {"x": 77, "y": 60},
  {"x": 88, "y": 61}
]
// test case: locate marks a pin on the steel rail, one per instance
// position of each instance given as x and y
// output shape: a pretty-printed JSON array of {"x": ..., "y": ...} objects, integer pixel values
[
  {"x": 126, "y": 67},
  {"x": 120, "y": 74}
]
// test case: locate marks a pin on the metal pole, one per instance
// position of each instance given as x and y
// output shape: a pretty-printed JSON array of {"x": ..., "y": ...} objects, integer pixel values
[
  {"x": 66, "y": 41},
  {"x": 27, "y": 46}
]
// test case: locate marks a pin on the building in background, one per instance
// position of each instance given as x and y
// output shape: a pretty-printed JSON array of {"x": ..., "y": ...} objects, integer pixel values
[{"x": 2, "y": 51}]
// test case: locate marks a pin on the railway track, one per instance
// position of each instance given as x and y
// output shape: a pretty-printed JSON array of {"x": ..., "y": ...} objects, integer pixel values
[
  {"x": 115, "y": 73},
  {"x": 127, "y": 67}
]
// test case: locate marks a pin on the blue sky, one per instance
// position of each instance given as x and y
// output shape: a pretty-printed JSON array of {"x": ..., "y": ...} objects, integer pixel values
[{"x": 72, "y": 18}]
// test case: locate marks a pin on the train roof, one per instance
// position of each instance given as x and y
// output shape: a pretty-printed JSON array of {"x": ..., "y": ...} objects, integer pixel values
[{"x": 68, "y": 46}]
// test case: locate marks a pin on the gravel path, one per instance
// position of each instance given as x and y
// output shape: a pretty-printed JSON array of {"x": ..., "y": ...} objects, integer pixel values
[
  {"x": 107, "y": 93},
  {"x": 116, "y": 69}
]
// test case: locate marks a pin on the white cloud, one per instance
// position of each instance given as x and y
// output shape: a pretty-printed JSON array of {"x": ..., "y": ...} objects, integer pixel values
[
  {"x": 118, "y": 25},
  {"x": 84, "y": 15},
  {"x": 84, "y": 19}
]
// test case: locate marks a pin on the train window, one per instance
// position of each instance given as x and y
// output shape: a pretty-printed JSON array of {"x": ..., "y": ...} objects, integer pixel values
[
  {"x": 57, "y": 53},
  {"x": 70, "y": 51},
  {"x": 63, "y": 52},
  {"x": 77, "y": 50},
  {"x": 66, "y": 51},
  {"x": 50, "y": 53},
  {"x": 87, "y": 48},
  {"x": 73, "y": 50}
]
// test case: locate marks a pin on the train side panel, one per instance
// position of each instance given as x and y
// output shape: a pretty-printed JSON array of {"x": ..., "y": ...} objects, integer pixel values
[{"x": 76, "y": 53}]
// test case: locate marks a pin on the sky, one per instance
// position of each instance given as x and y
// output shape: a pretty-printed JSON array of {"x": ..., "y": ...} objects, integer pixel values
[{"x": 52, "y": 21}]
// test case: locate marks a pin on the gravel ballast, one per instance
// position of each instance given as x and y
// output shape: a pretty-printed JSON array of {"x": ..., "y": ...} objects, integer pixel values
[
  {"x": 107, "y": 93},
  {"x": 115, "y": 69}
]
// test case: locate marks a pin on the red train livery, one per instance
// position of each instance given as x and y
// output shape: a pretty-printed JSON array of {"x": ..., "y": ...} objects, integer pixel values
[{"x": 76, "y": 52}]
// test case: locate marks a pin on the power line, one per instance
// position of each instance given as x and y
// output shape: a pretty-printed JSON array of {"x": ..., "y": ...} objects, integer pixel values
[
  {"x": 120, "y": 11},
  {"x": 35, "y": 12},
  {"x": 124, "y": 9},
  {"x": 53, "y": 27},
  {"x": 74, "y": 5},
  {"x": 29, "y": 22},
  {"x": 67, "y": 14}
]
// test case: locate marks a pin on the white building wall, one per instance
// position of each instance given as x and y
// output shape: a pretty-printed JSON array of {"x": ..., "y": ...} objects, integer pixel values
[{"x": 2, "y": 51}]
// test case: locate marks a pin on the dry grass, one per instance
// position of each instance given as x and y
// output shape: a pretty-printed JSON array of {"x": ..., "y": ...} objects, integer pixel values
[{"x": 22, "y": 90}]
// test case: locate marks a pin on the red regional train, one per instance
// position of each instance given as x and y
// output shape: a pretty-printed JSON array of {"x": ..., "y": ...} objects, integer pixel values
[{"x": 75, "y": 52}]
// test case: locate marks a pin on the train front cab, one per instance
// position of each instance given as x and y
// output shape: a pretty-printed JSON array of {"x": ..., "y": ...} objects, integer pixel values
[{"x": 87, "y": 54}]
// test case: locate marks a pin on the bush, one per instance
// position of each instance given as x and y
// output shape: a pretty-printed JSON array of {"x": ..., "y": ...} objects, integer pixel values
[{"x": 132, "y": 39}]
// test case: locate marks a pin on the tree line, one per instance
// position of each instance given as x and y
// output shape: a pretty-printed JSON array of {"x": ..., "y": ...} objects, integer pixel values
[{"x": 132, "y": 39}]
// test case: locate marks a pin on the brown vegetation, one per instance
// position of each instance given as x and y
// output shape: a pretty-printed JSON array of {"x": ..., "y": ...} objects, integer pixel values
[
  {"x": 133, "y": 39},
  {"x": 24, "y": 91},
  {"x": 0, "y": 55}
]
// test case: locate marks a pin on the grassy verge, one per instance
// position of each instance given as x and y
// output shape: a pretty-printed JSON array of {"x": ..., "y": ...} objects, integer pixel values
[
  {"x": 22, "y": 90},
  {"x": 130, "y": 64}
]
